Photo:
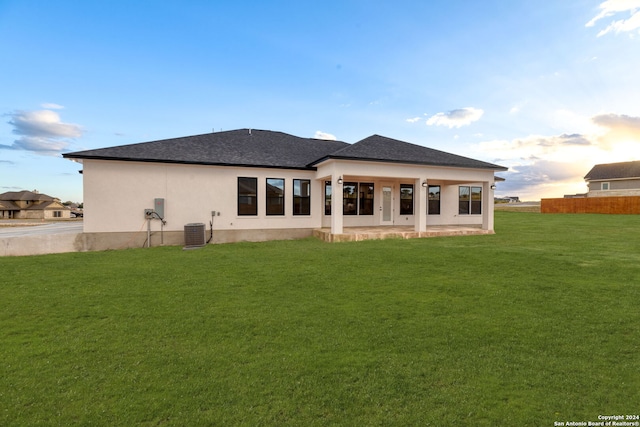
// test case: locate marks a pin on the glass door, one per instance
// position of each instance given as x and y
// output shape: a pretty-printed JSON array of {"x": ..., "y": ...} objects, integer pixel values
[{"x": 386, "y": 210}]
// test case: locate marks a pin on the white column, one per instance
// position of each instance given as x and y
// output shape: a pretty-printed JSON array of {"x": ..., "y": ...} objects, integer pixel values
[
  {"x": 420, "y": 205},
  {"x": 336, "y": 205},
  {"x": 487, "y": 206}
]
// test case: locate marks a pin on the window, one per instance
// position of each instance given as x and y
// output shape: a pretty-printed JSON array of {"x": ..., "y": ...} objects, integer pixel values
[
  {"x": 366, "y": 199},
  {"x": 406, "y": 199},
  {"x": 463, "y": 200},
  {"x": 604, "y": 186},
  {"x": 327, "y": 197},
  {"x": 433, "y": 207},
  {"x": 476, "y": 200},
  {"x": 470, "y": 200},
  {"x": 247, "y": 196},
  {"x": 301, "y": 197},
  {"x": 275, "y": 196},
  {"x": 357, "y": 198},
  {"x": 350, "y": 198},
  {"x": 57, "y": 214}
]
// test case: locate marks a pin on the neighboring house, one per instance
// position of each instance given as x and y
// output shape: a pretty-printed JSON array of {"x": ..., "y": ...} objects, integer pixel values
[
  {"x": 262, "y": 185},
  {"x": 508, "y": 199},
  {"x": 614, "y": 179},
  {"x": 31, "y": 205}
]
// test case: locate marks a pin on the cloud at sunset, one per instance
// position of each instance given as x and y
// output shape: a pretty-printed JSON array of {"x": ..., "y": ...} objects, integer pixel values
[{"x": 555, "y": 165}]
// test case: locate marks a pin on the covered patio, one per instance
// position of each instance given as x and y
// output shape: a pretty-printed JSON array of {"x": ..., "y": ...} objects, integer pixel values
[
  {"x": 385, "y": 188},
  {"x": 356, "y": 234}
]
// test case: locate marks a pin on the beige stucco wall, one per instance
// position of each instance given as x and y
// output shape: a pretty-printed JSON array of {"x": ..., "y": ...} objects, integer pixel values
[{"x": 117, "y": 193}]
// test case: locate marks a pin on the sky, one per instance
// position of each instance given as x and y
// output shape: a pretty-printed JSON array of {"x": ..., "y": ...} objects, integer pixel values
[{"x": 545, "y": 88}]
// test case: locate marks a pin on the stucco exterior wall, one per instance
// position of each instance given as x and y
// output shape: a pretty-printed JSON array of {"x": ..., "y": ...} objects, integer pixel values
[{"x": 117, "y": 193}]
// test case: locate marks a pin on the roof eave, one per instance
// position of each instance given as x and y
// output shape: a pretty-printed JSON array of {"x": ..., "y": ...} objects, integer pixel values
[
  {"x": 186, "y": 162},
  {"x": 586, "y": 178},
  {"x": 359, "y": 159}
]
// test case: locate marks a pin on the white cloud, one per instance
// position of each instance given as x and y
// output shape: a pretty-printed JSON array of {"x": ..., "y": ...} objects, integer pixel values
[
  {"x": 413, "y": 120},
  {"x": 51, "y": 106},
  {"x": 323, "y": 135},
  {"x": 456, "y": 118},
  {"x": 41, "y": 131},
  {"x": 44, "y": 123},
  {"x": 612, "y": 7},
  {"x": 40, "y": 145}
]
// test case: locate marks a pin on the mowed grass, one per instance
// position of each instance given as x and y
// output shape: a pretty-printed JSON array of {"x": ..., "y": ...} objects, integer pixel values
[{"x": 536, "y": 324}]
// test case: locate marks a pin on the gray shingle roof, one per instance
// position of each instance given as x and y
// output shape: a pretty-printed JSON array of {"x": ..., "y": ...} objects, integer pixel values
[
  {"x": 242, "y": 147},
  {"x": 383, "y": 149},
  {"x": 7, "y": 205},
  {"x": 614, "y": 171},
  {"x": 24, "y": 195},
  {"x": 261, "y": 148}
]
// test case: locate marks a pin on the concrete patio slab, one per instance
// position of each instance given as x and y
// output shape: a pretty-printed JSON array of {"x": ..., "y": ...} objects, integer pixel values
[{"x": 355, "y": 234}]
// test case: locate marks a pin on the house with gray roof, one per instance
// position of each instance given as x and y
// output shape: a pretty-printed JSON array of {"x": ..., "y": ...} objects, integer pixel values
[
  {"x": 257, "y": 185},
  {"x": 31, "y": 205},
  {"x": 614, "y": 179}
]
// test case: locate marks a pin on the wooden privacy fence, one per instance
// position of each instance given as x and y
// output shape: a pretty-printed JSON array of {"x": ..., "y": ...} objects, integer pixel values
[{"x": 603, "y": 205}]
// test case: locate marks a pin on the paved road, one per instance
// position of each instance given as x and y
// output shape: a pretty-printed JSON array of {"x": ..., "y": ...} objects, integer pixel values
[{"x": 46, "y": 228}]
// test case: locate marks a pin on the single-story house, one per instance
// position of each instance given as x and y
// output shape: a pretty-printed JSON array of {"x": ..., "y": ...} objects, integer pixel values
[
  {"x": 508, "y": 199},
  {"x": 31, "y": 205},
  {"x": 614, "y": 179},
  {"x": 256, "y": 185}
]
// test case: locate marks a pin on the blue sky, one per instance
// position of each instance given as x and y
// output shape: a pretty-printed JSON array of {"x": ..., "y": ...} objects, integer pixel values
[{"x": 547, "y": 88}]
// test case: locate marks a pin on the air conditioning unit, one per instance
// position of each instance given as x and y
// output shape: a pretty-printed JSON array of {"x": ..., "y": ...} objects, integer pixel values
[{"x": 194, "y": 235}]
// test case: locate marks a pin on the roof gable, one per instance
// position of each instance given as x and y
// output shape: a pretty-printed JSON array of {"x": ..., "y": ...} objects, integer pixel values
[
  {"x": 620, "y": 170},
  {"x": 382, "y": 149},
  {"x": 46, "y": 205}
]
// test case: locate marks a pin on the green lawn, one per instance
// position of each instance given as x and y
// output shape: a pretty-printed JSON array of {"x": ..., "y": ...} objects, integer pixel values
[{"x": 536, "y": 324}]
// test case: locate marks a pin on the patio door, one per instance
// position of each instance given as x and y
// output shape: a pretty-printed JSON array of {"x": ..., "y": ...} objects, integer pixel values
[{"x": 386, "y": 208}]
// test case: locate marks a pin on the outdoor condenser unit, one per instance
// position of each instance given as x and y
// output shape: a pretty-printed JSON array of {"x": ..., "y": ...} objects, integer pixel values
[{"x": 194, "y": 235}]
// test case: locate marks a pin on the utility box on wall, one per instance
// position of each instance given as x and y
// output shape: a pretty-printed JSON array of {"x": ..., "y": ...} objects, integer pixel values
[{"x": 158, "y": 206}]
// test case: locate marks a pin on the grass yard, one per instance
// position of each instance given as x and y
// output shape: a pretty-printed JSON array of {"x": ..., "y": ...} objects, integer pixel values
[{"x": 537, "y": 324}]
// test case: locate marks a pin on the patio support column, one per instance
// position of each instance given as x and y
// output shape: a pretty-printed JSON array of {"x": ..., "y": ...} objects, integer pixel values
[
  {"x": 420, "y": 205},
  {"x": 336, "y": 205},
  {"x": 487, "y": 206}
]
